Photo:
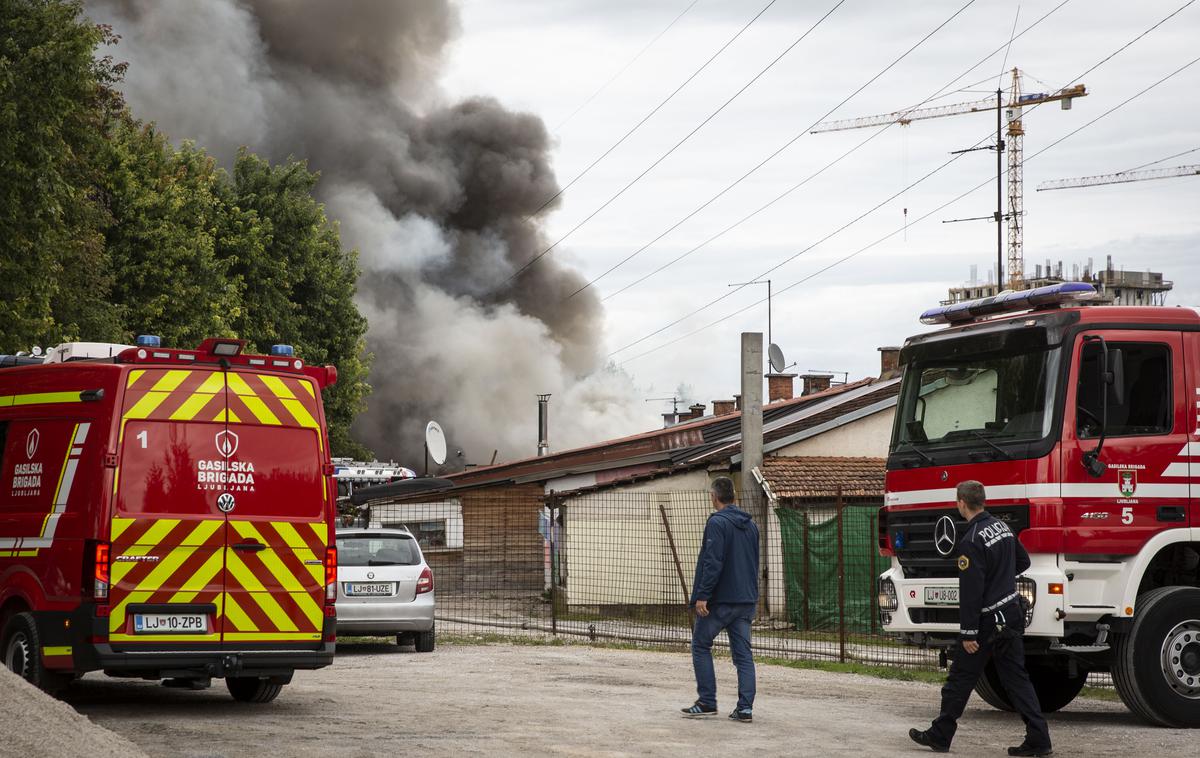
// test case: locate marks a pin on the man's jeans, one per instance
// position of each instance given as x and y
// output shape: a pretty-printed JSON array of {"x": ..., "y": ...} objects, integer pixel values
[{"x": 735, "y": 619}]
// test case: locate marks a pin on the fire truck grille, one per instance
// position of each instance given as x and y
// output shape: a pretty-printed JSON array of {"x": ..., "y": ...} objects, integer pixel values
[{"x": 911, "y": 534}]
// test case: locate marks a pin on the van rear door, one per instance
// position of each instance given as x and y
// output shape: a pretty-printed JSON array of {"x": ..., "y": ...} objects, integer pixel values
[
  {"x": 277, "y": 507},
  {"x": 167, "y": 533}
]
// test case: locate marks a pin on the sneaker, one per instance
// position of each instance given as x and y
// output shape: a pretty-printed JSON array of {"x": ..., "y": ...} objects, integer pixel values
[
  {"x": 1026, "y": 749},
  {"x": 744, "y": 716},
  {"x": 926, "y": 739},
  {"x": 699, "y": 710}
]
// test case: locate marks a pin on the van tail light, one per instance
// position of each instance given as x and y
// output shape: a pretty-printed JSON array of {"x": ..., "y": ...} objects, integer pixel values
[
  {"x": 100, "y": 576},
  {"x": 330, "y": 575},
  {"x": 425, "y": 582}
]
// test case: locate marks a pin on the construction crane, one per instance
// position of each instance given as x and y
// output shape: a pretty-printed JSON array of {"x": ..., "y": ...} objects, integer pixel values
[
  {"x": 1121, "y": 177},
  {"x": 1015, "y": 129}
]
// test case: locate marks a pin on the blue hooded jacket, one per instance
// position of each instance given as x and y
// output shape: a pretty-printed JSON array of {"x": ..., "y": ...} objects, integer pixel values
[{"x": 727, "y": 567}]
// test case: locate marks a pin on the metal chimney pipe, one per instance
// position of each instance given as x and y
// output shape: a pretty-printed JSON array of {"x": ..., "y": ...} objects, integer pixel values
[{"x": 543, "y": 446}]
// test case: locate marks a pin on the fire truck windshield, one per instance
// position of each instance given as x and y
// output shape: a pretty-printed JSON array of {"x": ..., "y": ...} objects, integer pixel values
[{"x": 977, "y": 393}]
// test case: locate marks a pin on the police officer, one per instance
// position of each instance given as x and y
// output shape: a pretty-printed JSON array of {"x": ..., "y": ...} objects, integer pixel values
[{"x": 991, "y": 621}]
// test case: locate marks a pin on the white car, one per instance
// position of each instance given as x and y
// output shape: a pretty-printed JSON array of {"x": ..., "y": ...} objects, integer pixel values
[{"x": 384, "y": 586}]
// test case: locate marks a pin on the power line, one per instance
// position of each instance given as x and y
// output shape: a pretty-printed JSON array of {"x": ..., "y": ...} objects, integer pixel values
[
  {"x": 922, "y": 218},
  {"x": 831, "y": 164},
  {"x": 625, "y": 68},
  {"x": 893, "y": 233},
  {"x": 645, "y": 118},
  {"x": 772, "y": 156},
  {"x": 678, "y": 144}
]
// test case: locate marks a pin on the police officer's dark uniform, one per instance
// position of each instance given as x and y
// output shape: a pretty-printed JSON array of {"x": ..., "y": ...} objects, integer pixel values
[{"x": 990, "y": 613}]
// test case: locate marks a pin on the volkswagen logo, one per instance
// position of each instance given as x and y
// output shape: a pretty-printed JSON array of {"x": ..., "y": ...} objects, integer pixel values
[
  {"x": 226, "y": 502},
  {"x": 945, "y": 536}
]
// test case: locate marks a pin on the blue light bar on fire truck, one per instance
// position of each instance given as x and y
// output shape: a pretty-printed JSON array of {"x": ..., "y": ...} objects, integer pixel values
[{"x": 1009, "y": 302}]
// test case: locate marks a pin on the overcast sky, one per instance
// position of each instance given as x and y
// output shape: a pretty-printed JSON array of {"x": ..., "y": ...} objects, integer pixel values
[{"x": 549, "y": 57}]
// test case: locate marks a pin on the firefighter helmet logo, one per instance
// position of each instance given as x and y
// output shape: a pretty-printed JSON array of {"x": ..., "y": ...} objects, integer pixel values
[
  {"x": 945, "y": 536},
  {"x": 226, "y": 502},
  {"x": 1127, "y": 480},
  {"x": 31, "y": 443},
  {"x": 227, "y": 443}
]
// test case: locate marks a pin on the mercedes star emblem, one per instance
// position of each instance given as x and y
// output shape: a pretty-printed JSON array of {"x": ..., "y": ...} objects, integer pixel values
[{"x": 945, "y": 536}]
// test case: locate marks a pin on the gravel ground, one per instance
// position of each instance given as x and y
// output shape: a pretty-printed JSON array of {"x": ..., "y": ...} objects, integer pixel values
[
  {"x": 504, "y": 700},
  {"x": 34, "y": 724}
]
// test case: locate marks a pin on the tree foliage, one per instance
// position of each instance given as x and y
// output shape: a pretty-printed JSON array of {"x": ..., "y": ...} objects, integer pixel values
[{"x": 108, "y": 230}]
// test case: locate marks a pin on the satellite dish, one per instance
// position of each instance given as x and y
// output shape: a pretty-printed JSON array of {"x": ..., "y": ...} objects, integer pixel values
[
  {"x": 435, "y": 442},
  {"x": 775, "y": 357}
]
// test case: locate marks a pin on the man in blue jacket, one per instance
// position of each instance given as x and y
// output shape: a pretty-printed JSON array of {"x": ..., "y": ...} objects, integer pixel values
[{"x": 725, "y": 596}]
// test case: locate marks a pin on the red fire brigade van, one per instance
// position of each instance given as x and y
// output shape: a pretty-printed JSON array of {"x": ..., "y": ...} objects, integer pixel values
[
  {"x": 166, "y": 514},
  {"x": 1083, "y": 423}
]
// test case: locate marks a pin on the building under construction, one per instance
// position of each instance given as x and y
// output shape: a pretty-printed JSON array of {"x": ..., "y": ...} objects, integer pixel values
[{"x": 1114, "y": 286}]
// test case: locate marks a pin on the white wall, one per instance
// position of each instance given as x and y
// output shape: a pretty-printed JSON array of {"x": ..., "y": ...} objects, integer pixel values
[
  {"x": 616, "y": 549},
  {"x": 866, "y": 437}
]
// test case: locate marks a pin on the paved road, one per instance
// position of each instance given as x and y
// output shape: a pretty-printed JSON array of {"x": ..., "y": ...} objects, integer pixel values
[{"x": 573, "y": 701}]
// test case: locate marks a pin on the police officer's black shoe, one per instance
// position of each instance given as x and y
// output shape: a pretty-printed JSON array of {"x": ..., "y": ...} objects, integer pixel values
[
  {"x": 926, "y": 739},
  {"x": 1026, "y": 749}
]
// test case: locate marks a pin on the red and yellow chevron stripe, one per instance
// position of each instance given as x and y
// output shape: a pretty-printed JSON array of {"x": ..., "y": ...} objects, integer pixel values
[{"x": 274, "y": 594}]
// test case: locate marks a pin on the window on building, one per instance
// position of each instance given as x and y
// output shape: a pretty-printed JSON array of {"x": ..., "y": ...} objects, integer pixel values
[
  {"x": 428, "y": 533},
  {"x": 1147, "y": 406}
]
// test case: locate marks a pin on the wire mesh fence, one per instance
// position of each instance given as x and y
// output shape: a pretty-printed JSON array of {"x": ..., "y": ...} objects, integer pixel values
[{"x": 619, "y": 566}]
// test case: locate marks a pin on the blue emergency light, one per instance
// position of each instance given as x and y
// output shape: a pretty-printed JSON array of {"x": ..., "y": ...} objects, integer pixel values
[
  {"x": 148, "y": 340},
  {"x": 286, "y": 351},
  {"x": 1009, "y": 302}
]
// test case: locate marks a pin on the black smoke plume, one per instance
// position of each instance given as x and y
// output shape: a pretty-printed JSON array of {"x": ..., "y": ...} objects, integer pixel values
[{"x": 436, "y": 197}]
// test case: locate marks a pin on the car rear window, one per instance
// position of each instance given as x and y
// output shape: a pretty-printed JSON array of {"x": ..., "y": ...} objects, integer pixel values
[{"x": 378, "y": 550}]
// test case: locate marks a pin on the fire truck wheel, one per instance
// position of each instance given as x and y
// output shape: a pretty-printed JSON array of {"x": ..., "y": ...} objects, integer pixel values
[
  {"x": 1052, "y": 681},
  {"x": 989, "y": 688},
  {"x": 425, "y": 641},
  {"x": 22, "y": 655},
  {"x": 1157, "y": 667},
  {"x": 250, "y": 689}
]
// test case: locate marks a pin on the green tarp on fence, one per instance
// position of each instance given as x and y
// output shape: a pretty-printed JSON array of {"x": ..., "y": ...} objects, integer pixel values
[{"x": 810, "y": 565}]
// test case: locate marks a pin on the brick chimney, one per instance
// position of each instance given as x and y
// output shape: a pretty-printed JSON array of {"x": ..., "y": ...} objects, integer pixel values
[
  {"x": 722, "y": 407},
  {"x": 889, "y": 362},
  {"x": 780, "y": 387},
  {"x": 814, "y": 383},
  {"x": 696, "y": 411}
]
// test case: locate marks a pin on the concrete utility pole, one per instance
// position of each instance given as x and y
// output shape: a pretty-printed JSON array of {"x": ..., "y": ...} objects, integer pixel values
[{"x": 752, "y": 447}]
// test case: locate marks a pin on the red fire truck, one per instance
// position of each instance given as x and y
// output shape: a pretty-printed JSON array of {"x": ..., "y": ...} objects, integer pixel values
[
  {"x": 166, "y": 514},
  {"x": 1083, "y": 423}
]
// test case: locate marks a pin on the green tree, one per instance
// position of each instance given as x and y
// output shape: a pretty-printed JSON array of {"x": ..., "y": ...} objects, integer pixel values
[
  {"x": 162, "y": 243},
  {"x": 55, "y": 97},
  {"x": 298, "y": 283}
]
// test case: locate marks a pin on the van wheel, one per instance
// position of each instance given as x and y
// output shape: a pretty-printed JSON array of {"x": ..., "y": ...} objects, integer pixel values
[
  {"x": 250, "y": 689},
  {"x": 1157, "y": 667},
  {"x": 23, "y": 655},
  {"x": 1051, "y": 679},
  {"x": 425, "y": 641}
]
